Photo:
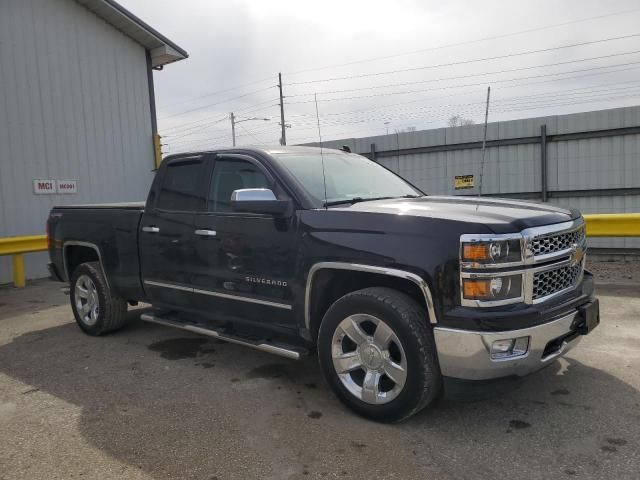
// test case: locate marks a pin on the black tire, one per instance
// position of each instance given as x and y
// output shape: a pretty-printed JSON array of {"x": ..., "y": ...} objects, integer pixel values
[
  {"x": 111, "y": 311},
  {"x": 409, "y": 322}
]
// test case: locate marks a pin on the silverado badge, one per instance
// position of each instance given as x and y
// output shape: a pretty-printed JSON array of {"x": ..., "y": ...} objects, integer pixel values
[{"x": 266, "y": 281}]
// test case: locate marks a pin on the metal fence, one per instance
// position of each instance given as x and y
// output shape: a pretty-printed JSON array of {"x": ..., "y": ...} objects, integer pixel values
[{"x": 590, "y": 161}]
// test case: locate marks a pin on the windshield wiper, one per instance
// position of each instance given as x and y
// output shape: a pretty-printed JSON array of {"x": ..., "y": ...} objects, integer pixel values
[
  {"x": 353, "y": 200},
  {"x": 349, "y": 201}
]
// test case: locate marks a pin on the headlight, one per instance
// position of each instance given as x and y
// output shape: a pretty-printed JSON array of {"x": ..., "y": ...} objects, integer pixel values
[
  {"x": 492, "y": 288},
  {"x": 480, "y": 252}
]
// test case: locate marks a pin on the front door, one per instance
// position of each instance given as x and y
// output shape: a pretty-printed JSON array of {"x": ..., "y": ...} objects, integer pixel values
[
  {"x": 167, "y": 232},
  {"x": 244, "y": 261}
]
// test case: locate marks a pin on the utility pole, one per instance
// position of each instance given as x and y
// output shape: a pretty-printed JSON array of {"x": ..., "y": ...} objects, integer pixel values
[
  {"x": 235, "y": 121},
  {"x": 484, "y": 141},
  {"x": 283, "y": 139},
  {"x": 233, "y": 127}
]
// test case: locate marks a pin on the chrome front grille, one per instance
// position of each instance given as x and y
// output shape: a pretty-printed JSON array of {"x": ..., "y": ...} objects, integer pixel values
[
  {"x": 552, "y": 263},
  {"x": 548, "y": 282},
  {"x": 556, "y": 243}
]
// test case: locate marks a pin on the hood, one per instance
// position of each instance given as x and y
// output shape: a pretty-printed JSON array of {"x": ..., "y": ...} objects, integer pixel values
[{"x": 499, "y": 215}]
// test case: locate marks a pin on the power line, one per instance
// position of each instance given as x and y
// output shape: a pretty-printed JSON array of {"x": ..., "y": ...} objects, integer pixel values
[
  {"x": 518, "y": 102},
  {"x": 183, "y": 140},
  {"x": 467, "y": 42},
  {"x": 191, "y": 140},
  {"x": 345, "y": 134},
  {"x": 218, "y": 92},
  {"x": 184, "y": 130},
  {"x": 218, "y": 103},
  {"x": 420, "y": 100},
  {"x": 442, "y": 115},
  {"x": 476, "y": 84},
  {"x": 403, "y": 111},
  {"x": 467, "y": 76},
  {"x": 579, "y": 102},
  {"x": 414, "y": 52},
  {"x": 181, "y": 128},
  {"x": 464, "y": 62},
  {"x": 251, "y": 135},
  {"x": 188, "y": 131},
  {"x": 250, "y": 109},
  {"x": 199, "y": 128}
]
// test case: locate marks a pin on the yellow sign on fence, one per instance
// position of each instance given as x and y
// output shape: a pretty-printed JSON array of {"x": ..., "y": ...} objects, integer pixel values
[{"x": 463, "y": 181}]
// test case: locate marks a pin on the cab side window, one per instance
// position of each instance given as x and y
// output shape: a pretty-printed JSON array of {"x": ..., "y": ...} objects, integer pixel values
[
  {"x": 182, "y": 187},
  {"x": 229, "y": 175}
]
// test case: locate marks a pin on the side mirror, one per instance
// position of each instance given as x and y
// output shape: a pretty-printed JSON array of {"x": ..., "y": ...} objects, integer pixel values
[{"x": 258, "y": 200}]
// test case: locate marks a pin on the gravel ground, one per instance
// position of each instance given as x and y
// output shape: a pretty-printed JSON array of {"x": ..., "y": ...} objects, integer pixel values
[
  {"x": 153, "y": 402},
  {"x": 610, "y": 269}
]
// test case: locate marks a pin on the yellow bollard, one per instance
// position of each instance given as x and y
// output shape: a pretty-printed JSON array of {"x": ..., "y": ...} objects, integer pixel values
[{"x": 18, "y": 271}]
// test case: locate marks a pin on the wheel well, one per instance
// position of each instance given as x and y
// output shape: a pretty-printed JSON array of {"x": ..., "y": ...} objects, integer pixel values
[
  {"x": 75, "y": 255},
  {"x": 329, "y": 285}
]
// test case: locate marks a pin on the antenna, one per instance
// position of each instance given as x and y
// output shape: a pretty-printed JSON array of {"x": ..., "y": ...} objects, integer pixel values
[
  {"x": 484, "y": 142},
  {"x": 324, "y": 178}
]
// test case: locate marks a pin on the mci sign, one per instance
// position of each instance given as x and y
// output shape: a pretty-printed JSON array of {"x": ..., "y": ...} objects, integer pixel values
[
  {"x": 44, "y": 187},
  {"x": 49, "y": 187}
]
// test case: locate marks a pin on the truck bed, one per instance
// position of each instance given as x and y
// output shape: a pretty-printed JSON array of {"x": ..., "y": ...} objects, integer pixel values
[{"x": 108, "y": 229}]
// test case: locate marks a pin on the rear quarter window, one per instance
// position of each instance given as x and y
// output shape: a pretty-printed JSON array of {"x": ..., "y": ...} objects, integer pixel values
[{"x": 182, "y": 187}]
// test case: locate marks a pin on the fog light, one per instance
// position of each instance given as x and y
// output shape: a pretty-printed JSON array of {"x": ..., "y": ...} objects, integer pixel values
[
  {"x": 509, "y": 347},
  {"x": 502, "y": 346},
  {"x": 521, "y": 346}
]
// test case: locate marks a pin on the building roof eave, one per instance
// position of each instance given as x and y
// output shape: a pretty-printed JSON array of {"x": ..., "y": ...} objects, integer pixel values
[{"x": 163, "y": 50}]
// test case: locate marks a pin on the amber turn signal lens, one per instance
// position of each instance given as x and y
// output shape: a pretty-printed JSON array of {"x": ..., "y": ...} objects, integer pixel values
[
  {"x": 476, "y": 288},
  {"x": 475, "y": 252}
]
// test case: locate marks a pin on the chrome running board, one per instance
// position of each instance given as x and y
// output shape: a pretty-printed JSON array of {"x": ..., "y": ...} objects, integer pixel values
[{"x": 258, "y": 345}]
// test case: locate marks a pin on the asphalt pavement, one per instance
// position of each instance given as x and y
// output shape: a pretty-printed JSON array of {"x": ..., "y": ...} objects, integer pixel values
[{"x": 154, "y": 402}]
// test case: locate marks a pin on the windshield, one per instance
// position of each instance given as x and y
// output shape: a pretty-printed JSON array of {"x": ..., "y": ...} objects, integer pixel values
[{"x": 350, "y": 178}]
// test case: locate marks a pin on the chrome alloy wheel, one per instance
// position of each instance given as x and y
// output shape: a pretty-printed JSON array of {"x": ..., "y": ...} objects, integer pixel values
[
  {"x": 87, "y": 301},
  {"x": 369, "y": 359}
]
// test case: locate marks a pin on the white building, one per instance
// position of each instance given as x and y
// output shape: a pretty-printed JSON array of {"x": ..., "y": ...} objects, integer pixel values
[{"x": 77, "y": 106}]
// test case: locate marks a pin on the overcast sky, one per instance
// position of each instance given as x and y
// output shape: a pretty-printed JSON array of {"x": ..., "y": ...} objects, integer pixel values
[{"x": 245, "y": 44}]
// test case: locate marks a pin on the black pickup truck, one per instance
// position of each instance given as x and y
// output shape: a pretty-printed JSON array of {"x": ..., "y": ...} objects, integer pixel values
[{"x": 295, "y": 249}]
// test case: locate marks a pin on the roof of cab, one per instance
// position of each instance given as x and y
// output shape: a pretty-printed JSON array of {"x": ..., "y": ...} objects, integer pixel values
[{"x": 269, "y": 150}]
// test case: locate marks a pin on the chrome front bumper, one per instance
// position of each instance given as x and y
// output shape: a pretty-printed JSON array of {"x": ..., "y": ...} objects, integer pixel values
[{"x": 466, "y": 354}]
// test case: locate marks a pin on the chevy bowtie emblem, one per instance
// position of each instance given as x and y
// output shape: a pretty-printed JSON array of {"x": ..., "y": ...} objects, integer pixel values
[{"x": 577, "y": 254}]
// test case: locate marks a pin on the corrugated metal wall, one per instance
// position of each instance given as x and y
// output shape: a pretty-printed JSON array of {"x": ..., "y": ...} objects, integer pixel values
[
  {"x": 74, "y": 104},
  {"x": 582, "y": 172}
]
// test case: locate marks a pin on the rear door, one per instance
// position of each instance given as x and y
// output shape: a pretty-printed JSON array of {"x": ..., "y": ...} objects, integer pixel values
[
  {"x": 244, "y": 266},
  {"x": 167, "y": 232}
]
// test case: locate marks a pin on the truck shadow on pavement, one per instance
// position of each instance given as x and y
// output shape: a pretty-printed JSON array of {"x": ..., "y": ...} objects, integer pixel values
[{"x": 176, "y": 405}]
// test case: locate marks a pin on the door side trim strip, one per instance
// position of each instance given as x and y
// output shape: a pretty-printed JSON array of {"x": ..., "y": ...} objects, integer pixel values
[
  {"x": 284, "y": 306},
  {"x": 424, "y": 287},
  {"x": 168, "y": 285}
]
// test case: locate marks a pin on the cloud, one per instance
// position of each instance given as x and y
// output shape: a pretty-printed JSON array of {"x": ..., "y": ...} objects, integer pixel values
[{"x": 236, "y": 43}]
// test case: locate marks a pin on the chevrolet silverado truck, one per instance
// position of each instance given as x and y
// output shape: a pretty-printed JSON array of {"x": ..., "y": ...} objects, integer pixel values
[{"x": 292, "y": 250}]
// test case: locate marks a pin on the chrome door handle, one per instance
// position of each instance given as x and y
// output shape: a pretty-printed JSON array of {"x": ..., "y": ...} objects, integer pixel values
[
  {"x": 206, "y": 233},
  {"x": 151, "y": 229}
]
